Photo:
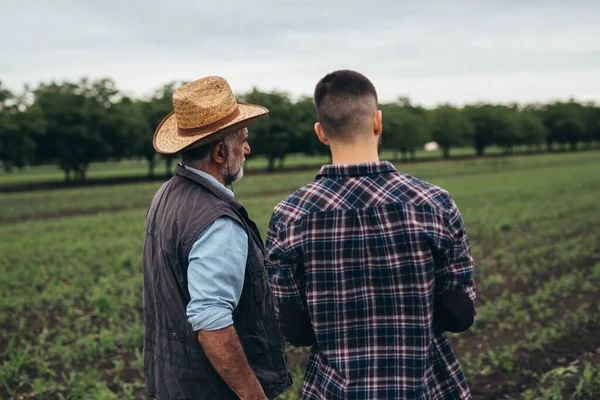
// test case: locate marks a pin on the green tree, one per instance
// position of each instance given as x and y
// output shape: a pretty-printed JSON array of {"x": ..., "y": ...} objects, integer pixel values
[
  {"x": 128, "y": 132},
  {"x": 73, "y": 114},
  {"x": 6, "y": 98},
  {"x": 304, "y": 139},
  {"x": 111, "y": 114},
  {"x": 449, "y": 127},
  {"x": 506, "y": 128},
  {"x": 483, "y": 133},
  {"x": 566, "y": 124},
  {"x": 592, "y": 119},
  {"x": 10, "y": 154},
  {"x": 117, "y": 128},
  {"x": 404, "y": 129},
  {"x": 533, "y": 130},
  {"x": 143, "y": 133},
  {"x": 272, "y": 136},
  {"x": 19, "y": 134},
  {"x": 155, "y": 109}
]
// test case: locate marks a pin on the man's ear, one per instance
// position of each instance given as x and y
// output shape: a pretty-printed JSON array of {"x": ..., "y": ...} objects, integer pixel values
[
  {"x": 377, "y": 123},
  {"x": 321, "y": 134},
  {"x": 219, "y": 153}
]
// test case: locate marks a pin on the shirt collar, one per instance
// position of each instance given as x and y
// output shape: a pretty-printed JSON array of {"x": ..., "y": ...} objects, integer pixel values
[
  {"x": 211, "y": 179},
  {"x": 348, "y": 170}
]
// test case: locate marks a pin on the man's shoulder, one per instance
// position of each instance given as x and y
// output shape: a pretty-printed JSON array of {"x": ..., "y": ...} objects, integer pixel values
[
  {"x": 186, "y": 201},
  {"x": 321, "y": 194},
  {"x": 420, "y": 193},
  {"x": 303, "y": 201}
]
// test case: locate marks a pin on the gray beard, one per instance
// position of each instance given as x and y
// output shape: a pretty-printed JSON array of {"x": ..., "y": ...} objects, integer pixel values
[
  {"x": 230, "y": 177},
  {"x": 237, "y": 176}
]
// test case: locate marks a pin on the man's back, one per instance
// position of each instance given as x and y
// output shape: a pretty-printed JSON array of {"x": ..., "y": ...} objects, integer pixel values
[{"x": 364, "y": 250}]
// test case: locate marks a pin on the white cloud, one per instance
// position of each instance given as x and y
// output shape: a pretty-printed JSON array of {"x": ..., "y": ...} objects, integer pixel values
[{"x": 431, "y": 51}]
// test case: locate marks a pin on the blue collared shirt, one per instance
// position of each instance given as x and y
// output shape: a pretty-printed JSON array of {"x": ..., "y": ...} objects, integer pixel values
[{"x": 216, "y": 277}]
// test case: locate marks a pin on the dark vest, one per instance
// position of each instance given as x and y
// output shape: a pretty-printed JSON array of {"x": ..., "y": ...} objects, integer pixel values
[{"x": 175, "y": 367}]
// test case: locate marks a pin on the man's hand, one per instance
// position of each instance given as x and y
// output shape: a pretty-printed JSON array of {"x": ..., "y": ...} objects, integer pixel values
[
  {"x": 453, "y": 311},
  {"x": 295, "y": 325},
  {"x": 223, "y": 349}
]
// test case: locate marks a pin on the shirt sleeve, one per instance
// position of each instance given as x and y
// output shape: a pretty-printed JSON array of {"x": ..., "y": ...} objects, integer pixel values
[
  {"x": 216, "y": 269},
  {"x": 287, "y": 282},
  {"x": 457, "y": 272}
]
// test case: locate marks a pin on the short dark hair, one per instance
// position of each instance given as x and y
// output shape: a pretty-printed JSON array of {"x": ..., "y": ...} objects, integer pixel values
[{"x": 344, "y": 99}]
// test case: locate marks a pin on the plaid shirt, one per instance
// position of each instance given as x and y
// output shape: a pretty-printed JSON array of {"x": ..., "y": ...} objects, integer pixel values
[{"x": 360, "y": 253}]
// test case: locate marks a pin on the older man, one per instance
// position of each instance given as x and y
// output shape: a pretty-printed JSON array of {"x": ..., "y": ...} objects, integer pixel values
[{"x": 210, "y": 329}]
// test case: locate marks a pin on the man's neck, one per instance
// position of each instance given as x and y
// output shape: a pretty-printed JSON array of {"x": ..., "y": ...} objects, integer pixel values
[
  {"x": 211, "y": 170},
  {"x": 353, "y": 154}
]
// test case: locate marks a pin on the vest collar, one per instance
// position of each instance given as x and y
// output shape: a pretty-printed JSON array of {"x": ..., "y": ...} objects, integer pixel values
[{"x": 184, "y": 173}]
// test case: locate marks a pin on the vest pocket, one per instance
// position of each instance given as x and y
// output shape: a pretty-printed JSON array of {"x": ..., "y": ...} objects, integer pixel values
[{"x": 173, "y": 346}]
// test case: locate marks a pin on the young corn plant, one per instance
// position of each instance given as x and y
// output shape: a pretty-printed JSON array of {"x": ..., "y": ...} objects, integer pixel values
[{"x": 589, "y": 383}]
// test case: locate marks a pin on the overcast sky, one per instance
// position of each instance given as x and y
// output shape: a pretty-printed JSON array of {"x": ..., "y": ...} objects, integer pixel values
[{"x": 431, "y": 51}]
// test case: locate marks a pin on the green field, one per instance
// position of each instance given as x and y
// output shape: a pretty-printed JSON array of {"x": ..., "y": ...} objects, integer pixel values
[
  {"x": 139, "y": 168},
  {"x": 70, "y": 278}
]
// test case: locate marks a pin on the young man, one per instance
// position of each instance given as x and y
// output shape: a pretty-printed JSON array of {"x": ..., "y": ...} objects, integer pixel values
[
  {"x": 210, "y": 330},
  {"x": 363, "y": 257}
]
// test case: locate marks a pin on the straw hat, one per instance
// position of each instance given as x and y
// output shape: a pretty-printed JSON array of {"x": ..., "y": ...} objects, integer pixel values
[{"x": 203, "y": 111}]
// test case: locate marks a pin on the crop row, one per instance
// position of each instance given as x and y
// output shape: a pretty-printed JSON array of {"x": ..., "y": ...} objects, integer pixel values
[{"x": 70, "y": 314}]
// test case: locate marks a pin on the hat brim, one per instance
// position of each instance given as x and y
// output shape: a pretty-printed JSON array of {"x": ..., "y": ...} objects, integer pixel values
[{"x": 168, "y": 140}]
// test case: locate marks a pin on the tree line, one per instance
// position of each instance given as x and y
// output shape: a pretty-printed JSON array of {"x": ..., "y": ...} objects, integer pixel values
[{"x": 72, "y": 124}]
